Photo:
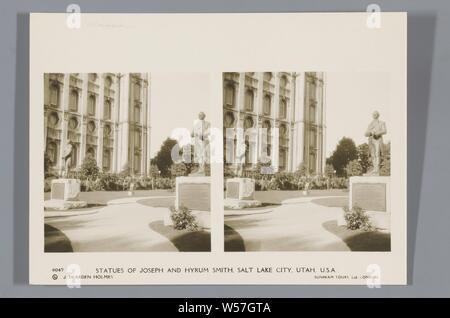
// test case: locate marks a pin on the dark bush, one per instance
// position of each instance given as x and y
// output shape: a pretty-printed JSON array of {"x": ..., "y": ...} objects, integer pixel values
[
  {"x": 183, "y": 219},
  {"x": 357, "y": 219}
]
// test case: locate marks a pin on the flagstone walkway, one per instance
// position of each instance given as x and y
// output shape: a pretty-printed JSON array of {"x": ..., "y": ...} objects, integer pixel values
[
  {"x": 121, "y": 226},
  {"x": 296, "y": 225}
]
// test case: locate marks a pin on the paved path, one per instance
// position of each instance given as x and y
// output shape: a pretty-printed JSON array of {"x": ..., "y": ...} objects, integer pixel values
[
  {"x": 296, "y": 225},
  {"x": 121, "y": 226}
]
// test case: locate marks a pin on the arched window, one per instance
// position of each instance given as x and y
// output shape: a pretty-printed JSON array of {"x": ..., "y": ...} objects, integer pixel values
[
  {"x": 54, "y": 95},
  {"x": 107, "y": 110},
  {"x": 91, "y": 105},
  {"x": 229, "y": 95},
  {"x": 228, "y": 120},
  {"x": 91, "y": 127},
  {"x": 283, "y": 109},
  {"x": 249, "y": 100},
  {"x": 107, "y": 130},
  {"x": 53, "y": 120},
  {"x": 312, "y": 162},
  {"x": 267, "y": 126},
  {"x": 282, "y": 159},
  {"x": 52, "y": 153},
  {"x": 283, "y": 81},
  {"x": 283, "y": 131},
  {"x": 108, "y": 81},
  {"x": 106, "y": 160},
  {"x": 137, "y": 163},
  {"x": 248, "y": 123},
  {"x": 92, "y": 77},
  {"x": 90, "y": 153},
  {"x": 268, "y": 76},
  {"x": 73, "y": 101},
  {"x": 267, "y": 104},
  {"x": 73, "y": 123}
]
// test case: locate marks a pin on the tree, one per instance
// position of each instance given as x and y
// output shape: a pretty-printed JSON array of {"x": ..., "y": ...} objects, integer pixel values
[
  {"x": 89, "y": 169},
  {"x": 354, "y": 168},
  {"x": 163, "y": 159},
  {"x": 345, "y": 152},
  {"x": 329, "y": 170},
  {"x": 153, "y": 171},
  {"x": 301, "y": 170},
  {"x": 364, "y": 157},
  {"x": 178, "y": 170}
]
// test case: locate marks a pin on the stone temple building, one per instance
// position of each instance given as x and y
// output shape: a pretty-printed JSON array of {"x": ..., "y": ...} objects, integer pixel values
[
  {"x": 292, "y": 102},
  {"x": 105, "y": 115}
]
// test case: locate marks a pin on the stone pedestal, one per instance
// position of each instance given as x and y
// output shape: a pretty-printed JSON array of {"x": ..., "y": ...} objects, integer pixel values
[
  {"x": 240, "y": 193},
  {"x": 64, "y": 195},
  {"x": 194, "y": 193},
  {"x": 372, "y": 193}
]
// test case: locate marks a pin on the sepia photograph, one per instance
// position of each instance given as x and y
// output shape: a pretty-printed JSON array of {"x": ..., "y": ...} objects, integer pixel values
[
  {"x": 307, "y": 161},
  {"x": 126, "y": 159},
  {"x": 177, "y": 160}
]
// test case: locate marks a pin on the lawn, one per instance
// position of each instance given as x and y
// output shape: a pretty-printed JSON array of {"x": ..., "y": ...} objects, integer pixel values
[
  {"x": 184, "y": 240},
  {"x": 276, "y": 197},
  {"x": 158, "y": 202},
  {"x": 56, "y": 241},
  {"x": 233, "y": 240},
  {"x": 338, "y": 202},
  {"x": 102, "y": 197},
  {"x": 358, "y": 240}
]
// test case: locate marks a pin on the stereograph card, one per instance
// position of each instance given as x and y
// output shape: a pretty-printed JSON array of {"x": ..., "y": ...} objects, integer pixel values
[{"x": 218, "y": 149}]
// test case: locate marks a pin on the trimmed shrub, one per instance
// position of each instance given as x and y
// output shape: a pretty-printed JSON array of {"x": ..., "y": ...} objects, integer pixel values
[
  {"x": 109, "y": 182},
  {"x": 357, "y": 219},
  {"x": 89, "y": 169},
  {"x": 183, "y": 219}
]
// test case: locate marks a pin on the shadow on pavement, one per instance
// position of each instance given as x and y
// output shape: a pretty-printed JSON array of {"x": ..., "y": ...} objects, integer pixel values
[
  {"x": 184, "y": 240},
  {"x": 56, "y": 241},
  {"x": 358, "y": 240},
  {"x": 233, "y": 240}
]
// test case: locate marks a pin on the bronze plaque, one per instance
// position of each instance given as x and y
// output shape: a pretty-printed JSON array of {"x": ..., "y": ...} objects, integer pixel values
[
  {"x": 195, "y": 196},
  {"x": 233, "y": 190},
  {"x": 58, "y": 191},
  {"x": 369, "y": 196}
]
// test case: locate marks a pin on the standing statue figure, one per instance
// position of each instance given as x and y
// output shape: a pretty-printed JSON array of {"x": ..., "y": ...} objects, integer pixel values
[
  {"x": 200, "y": 134},
  {"x": 241, "y": 148},
  {"x": 67, "y": 158},
  {"x": 375, "y": 132}
]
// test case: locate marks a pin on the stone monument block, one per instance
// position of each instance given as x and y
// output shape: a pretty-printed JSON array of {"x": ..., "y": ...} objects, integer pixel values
[
  {"x": 65, "y": 189},
  {"x": 372, "y": 193},
  {"x": 241, "y": 189},
  {"x": 64, "y": 195},
  {"x": 240, "y": 193},
  {"x": 193, "y": 193}
]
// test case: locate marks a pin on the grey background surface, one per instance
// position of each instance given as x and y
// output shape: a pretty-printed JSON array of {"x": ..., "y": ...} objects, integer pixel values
[{"x": 428, "y": 148}]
